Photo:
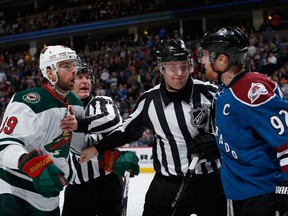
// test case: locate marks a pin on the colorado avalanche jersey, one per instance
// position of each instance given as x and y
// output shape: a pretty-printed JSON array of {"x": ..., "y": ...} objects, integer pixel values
[
  {"x": 252, "y": 135},
  {"x": 31, "y": 121}
]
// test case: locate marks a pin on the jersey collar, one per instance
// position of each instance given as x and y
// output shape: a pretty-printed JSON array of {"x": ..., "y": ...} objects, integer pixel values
[
  {"x": 53, "y": 93},
  {"x": 182, "y": 95},
  {"x": 238, "y": 77}
]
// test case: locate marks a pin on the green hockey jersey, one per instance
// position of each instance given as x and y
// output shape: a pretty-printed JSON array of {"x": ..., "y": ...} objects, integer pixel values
[{"x": 32, "y": 121}]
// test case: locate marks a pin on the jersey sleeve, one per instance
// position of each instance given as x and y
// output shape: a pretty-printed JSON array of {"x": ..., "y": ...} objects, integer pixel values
[
  {"x": 19, "y": 133},
  {"x": 104, "y": 115},
  {"x": 131, "y": 129},
  {"x": 267, "y": 111}
]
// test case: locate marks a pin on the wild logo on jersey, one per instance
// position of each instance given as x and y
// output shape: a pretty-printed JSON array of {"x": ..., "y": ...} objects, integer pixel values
[
  {"x": 60, "y": 146},
  {"x": 32, "y": 97},
  {"x": 199, "y": 117}
]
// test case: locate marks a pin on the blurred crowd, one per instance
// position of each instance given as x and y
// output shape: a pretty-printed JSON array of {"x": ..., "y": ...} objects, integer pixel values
[
  {"x": 124, "y": 69},
  {"x": 54, "y": 13}
]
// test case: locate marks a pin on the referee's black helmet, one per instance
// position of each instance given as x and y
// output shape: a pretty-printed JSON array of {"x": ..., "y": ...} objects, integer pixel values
[
  {"x": 173, "y": 50},
  {"x": 229, "y": 41},
  {"x": 83, "y": 67}
]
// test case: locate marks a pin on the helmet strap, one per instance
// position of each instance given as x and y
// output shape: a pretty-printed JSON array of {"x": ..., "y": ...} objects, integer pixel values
[
  {"x": 161, "y": 66},
  {"x": 222, "y": 72},
  {"x": 53, "y": 83},
  {"x": 60, "y": 93},
  {"x": 54, "y": 86}
]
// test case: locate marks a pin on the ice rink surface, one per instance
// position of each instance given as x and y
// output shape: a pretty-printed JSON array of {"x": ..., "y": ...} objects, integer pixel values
[{"x": 137, "y": 189}]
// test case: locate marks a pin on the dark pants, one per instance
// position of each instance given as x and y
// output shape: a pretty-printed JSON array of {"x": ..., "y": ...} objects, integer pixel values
[
  {"x": 203, "y": 196},
  {"x": 101, "y": 197},
  {"x": 255, "y": 206},
  {"x": 11, "y": 205}
]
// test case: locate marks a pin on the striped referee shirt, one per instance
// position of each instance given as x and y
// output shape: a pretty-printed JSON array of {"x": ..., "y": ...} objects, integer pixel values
[
  {"x": 175, "y": 118},
  {"x": 102, "y": 117}
]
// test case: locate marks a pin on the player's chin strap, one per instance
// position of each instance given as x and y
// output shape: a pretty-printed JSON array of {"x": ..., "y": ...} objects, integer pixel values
[
  {"x": 58, "y": 92},
  {"x": 53, "y": 84},
  {"x": 221, "y": 72}
]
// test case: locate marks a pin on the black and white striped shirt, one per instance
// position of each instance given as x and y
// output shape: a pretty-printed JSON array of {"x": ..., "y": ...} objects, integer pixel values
[
  {"x": 175, "y": 118},
  {"x": 102, "y": 117}
]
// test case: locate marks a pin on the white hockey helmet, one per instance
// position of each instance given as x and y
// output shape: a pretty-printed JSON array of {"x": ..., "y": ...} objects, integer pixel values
[{"x": 50, "y": 56}]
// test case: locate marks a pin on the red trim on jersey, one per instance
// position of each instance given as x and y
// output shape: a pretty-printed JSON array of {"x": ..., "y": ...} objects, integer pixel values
[
  {"x": 282, "y": 147},
  {"x": 284, "y": 169},
  {"x": 53, "y": 93},
  {"x": 254, "y": 88}
]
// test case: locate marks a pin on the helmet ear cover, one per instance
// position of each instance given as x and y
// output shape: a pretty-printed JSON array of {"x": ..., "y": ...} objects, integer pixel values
[{"x": 173, "y": 50}]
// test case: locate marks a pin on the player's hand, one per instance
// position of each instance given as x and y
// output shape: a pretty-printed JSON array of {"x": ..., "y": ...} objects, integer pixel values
[
  {"x": 87, "y": 154},
  {"x": 204, "y": 145},
  {"x": 118, "y": 162},
  {"x": 69, "y": 122},
  {"x": 281, "y": 193},
  {"x": 47, "y": 178}
]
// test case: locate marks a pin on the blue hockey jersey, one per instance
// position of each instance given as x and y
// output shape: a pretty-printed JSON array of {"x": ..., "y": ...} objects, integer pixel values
[{"x": 252, "y": 135}]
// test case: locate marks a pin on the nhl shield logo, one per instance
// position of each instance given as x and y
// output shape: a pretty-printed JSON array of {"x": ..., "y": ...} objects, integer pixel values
[{"x": 199, "y": 117}]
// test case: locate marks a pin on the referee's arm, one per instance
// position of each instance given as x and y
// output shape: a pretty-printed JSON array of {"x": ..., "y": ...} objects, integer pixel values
[{"x": 131, "y": 130}]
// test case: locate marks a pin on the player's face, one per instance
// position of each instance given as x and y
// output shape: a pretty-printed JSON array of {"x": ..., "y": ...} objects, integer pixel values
[
  {"x": 176, "y": 74},
  {"x": 66, "y": 75},
  {"x": 210, "y": 73},
  {"x": 82, "y": 86}
]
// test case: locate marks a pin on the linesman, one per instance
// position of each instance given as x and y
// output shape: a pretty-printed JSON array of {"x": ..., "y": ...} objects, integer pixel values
[{"x": 176, "y": 111}]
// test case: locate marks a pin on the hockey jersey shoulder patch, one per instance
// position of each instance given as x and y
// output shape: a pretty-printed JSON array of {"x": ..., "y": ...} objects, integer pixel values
[
  {"x": 254, "y": 89},
  {"x": 31, "y": 97},
  {"x": 37, "y": 99}
]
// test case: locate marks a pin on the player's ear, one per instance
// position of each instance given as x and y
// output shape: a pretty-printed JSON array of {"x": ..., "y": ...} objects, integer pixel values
[{"x": 223, "y": 58}]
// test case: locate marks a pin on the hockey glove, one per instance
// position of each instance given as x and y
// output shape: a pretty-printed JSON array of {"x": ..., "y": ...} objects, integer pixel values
[
  {"x": 204, "y": 145},
  {"x": 281, "y": 200},
  {"x": 48, "y": 179},
  {"x": 117, "y": 162}
]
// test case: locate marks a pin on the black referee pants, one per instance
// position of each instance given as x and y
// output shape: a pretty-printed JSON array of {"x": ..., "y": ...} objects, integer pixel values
[
  {"x": 101, "y": 197},
  {"x": 203, "y": 196}
]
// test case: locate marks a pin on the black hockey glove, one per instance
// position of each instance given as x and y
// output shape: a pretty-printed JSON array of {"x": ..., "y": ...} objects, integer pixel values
[
  {"x": 204, "y": 145},
  {"x": 281, "y": 201}
]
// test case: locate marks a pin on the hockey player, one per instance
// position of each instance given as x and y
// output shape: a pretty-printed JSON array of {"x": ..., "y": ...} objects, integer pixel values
[
  {"x": 176, "y": 111},
  {"x": 251, "y": 127},
  {"x": 33, "y": 148},
  {"x": 93, "y": 191}
]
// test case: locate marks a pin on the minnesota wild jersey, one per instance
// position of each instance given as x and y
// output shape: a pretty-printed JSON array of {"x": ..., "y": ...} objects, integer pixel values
[{"x": 32, "y": 121}]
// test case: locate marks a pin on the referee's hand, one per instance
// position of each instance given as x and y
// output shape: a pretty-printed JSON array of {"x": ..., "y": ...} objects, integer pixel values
[{"x": 87, "y": 154}]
